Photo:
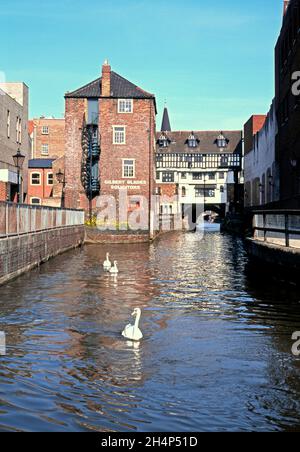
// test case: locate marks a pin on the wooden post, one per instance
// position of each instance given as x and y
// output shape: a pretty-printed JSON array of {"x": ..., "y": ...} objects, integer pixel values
[{"x": 287, "y": 234}]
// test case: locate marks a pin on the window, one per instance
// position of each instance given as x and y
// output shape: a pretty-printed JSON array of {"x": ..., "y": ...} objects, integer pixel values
[
  {"x": 35, "y": 179},
  {"x": 204, "y": 192},
  {"x": 128, "y": 168},
  {"x": 183, "y": 192},
  {"x": 17, "y": 129},
  {"x": 197, "y": 176},
  {"x": 35, "y": 201},
  {"x": 45, "y": 149},
  {"x": 211, "y": 176},
  {"x": 163, "y": 141},
  {"x": 50, "y": 179},
  {"x": 221, "y": 176},
  {"x": 93, "y": 111},
  {"x": 45, "y": 130},
  {"x": 192, "y": 141},
  {"x": 125, "y": 106},
  {"x": 20, "y": 131},
  {"x": 183, "y": 175},
  {"x": 158, "y": 175},
  {"x": 119, "y": 135},
  {"x": 168, "y": 177},
  {"x": 8, "y": 124}
]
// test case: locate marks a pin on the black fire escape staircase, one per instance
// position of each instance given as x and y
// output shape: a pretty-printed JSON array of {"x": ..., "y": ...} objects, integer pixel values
[{"x": 90, "y": 177}]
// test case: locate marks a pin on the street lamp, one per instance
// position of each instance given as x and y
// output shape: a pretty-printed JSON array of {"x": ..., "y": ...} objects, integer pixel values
[
  {"x": 61, "y": 180},
  {"x": 19, "y": 162}
]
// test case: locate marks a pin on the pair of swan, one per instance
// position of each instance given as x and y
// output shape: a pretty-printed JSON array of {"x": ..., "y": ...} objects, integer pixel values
[
  {"x": 133, "y": 332},
  {"x": 108, "y": 267}
]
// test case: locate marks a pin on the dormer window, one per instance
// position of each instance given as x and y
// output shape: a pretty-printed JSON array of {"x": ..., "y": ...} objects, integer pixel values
[
  {"x": 221, "y": 141},
  {"x": 163, "y": 141},
  {"x": 192, "y": 141}
]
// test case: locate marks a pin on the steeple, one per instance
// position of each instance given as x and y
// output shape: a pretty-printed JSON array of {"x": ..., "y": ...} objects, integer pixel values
[{"x": 166, "y": 126}]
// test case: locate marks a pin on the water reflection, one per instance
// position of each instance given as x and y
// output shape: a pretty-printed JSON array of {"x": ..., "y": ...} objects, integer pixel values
[{"x": 216, "y": 353}]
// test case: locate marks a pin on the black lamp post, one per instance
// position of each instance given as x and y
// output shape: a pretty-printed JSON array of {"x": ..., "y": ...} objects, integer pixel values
[
  {"x": 19, "y": 162},
  {"x": 61, "y": 180}
]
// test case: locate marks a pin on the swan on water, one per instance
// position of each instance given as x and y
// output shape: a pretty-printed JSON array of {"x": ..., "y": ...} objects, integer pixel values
[
  {"x": 107, "y": 263},
  {"x": 133, "y": 332},
  {"x": 114, "y": 270}
]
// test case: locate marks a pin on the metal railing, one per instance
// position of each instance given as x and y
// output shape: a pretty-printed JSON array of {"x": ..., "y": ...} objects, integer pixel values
[
  {"x": 18, "y": 219},
  {"x": 277, "y": 227}
]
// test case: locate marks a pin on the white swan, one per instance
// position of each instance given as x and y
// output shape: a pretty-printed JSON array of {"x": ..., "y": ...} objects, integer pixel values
[
  {"x": 114, "y": 270},
  {"x": 107, "y": 263},
  {"x": 133, "y": 332}
]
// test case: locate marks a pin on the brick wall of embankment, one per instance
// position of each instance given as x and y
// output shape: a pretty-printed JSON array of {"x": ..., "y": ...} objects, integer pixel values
[{"x": 19, "y": 254}]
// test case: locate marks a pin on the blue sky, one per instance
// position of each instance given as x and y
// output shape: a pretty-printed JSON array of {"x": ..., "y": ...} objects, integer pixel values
[{"x": 212, "y": 61}]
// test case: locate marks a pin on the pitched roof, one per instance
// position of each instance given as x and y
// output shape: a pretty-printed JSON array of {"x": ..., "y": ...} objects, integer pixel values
[
  {"x": 207, "y": 145},
  {"x": 120, "y": 88},
  {"x": 40, "y": 163},
  {"x": 166, "y": 126}
]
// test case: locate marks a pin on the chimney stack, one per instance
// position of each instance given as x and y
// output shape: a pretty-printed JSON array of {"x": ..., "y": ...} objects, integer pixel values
[{"x": 106, "y": 86}]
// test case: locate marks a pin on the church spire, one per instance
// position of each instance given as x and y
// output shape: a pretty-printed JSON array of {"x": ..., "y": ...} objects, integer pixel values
[{"x": 166, "y": 126}]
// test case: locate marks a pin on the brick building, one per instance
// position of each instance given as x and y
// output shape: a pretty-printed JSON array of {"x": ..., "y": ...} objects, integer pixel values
[
  {"x": 40, "y": 182},
  {"x": 287, "y": 62},
  {"x": 47, "y": 138},
  {"x": 13, "y": 136},
  {"x": 115, "y": 117}
]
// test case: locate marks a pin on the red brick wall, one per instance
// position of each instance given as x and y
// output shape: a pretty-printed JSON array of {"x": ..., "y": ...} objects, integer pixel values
[
  {"x": 75, "y": 114},
  {"x": 3, "y": 191},
  {"x": 168, "y": 189},
  {"x": 55, "y": 139}
]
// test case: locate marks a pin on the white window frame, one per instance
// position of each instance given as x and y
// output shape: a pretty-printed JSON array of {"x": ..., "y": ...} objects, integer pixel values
[
  {"x": 45, "y": 130},
  {"x": 128, "y": 166},
  {"x": 114, "y": 135},
  {"x": 40, "y": 179},
  {"x": 35, "y": 204},
  {"x": 50, "y": 174},
  {"x": 8, "y": 123},
  {"x": 127, "y": 103},
  {"x": 43, "y": 152}
]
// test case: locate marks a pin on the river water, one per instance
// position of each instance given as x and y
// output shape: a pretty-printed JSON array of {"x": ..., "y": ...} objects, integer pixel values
[{"x": 216, "y": 353}]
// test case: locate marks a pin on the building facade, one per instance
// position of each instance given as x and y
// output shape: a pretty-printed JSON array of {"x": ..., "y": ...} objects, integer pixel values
[
  {"x": 47, "y": 138},
  {"x": 13, "y": 137},
  {"x": 260, "y": 165},
  {"x": 287, "y": 65},
  {"x": 110, "y": 145},
  {"x": 198, "y": 168},
  {"x": 40, "y": 182}
]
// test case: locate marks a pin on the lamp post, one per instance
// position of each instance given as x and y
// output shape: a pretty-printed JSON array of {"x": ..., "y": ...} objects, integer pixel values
[
  {"x": 19, "y": 162},
  {"x": 60, "y": 177}
]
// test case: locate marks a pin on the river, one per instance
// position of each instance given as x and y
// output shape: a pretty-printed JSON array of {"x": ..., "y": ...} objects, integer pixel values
[{"x": 216, "y": 353}]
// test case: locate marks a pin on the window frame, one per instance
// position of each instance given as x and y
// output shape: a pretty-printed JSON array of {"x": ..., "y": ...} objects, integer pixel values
[
  {"x": 128, "y": 166},
  {"x": 52, "y": 175},
  {"x": 43, "y": 152},
  {"x": 43, "y": 130},
  {"x": 36, "y": 173},
  {"x": 114, "y": 136},
  {"x": 35, "y": 204},
  {"x": 125, "y": 101}
]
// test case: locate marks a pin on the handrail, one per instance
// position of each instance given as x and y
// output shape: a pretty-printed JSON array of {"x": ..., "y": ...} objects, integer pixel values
[
  {"x": 20, "y": 219},
  {"x": 278, "y": 227}
]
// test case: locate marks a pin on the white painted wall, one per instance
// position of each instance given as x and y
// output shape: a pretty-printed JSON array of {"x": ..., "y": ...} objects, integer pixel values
[{"x": 260, "y": 163}]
